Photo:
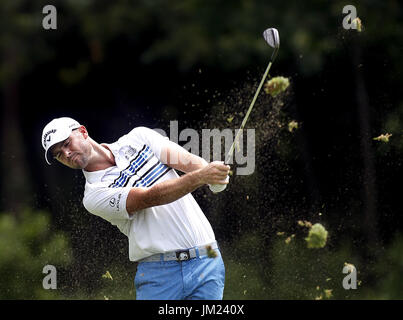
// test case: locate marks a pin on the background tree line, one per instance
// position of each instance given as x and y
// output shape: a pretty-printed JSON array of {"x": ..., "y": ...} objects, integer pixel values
[{"x": 117, "y": 65}]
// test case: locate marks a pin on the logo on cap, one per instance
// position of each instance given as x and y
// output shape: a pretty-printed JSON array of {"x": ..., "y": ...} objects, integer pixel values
[{"x": 47, "y": 137}]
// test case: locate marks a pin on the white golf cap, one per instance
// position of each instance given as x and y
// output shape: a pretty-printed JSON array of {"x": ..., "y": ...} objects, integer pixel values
[{"x": 55, "y": 131}]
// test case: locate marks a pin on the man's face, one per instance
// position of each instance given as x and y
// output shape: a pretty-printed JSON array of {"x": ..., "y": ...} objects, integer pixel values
[{"x": 75, "y": 151}]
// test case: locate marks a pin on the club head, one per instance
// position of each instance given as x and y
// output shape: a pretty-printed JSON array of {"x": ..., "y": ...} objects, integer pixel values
[{"x": 272, "y": 37}]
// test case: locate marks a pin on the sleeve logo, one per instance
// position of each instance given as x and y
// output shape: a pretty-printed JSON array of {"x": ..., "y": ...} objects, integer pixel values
[{"x": 112, "y": 202}]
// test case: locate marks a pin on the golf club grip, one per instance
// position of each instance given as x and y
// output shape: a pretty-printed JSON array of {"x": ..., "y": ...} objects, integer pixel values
[{"x": 216, "y": 188}]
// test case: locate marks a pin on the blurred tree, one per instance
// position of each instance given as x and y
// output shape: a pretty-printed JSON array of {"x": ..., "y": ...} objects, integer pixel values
[
  {"x": 369, "y": 192},
  {"x": 368, "y": 47},
  {"x": 389, "y": 271},
  {"x": 287, "y": 269},
  {"x": 27, "y": 245},
  {"x": 21, "y": 27},
  {"x": 225, "y": 37}
]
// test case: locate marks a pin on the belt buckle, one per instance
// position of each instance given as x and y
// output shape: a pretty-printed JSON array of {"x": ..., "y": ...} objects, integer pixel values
[{"x": 182, "y": 255}]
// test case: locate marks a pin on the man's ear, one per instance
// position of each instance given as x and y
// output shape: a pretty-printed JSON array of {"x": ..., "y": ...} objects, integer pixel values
[{"x": 83, "y": 131}]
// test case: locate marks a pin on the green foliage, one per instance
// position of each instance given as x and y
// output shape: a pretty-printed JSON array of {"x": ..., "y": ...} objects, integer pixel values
[
  {"x": 114, "y": 283},
  {"x": 22, "y": 38},
  {"x": 254, "y": 269},
  {"x": 393, "y": 124},
  {"x": 300, "y": 273},
  {"x": 389, "y": 272},
  {"x": 27, "y": 244},
  {"x": 121, "y": 287},
  {"x": 285, "y": 270},
  {"x": 244, "y": 271},
  {"x": 289, "y": 270},
  {"x": 224, "y": 34}
]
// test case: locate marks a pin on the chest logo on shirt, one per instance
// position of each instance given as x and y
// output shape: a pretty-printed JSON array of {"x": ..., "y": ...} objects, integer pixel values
[
  {"x": 129, "y": 152},
  {"x": 112, "y": 202}
]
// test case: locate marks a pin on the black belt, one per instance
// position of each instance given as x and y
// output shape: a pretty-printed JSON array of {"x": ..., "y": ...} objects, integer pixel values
[{"x": 182, "y": 255}]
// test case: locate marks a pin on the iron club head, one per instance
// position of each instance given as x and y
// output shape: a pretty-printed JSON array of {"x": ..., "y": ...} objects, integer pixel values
[{"x": 272, "y": 37}]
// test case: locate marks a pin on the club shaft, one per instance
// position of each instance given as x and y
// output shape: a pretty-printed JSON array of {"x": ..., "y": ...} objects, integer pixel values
[{"x": 231, "y": 150}]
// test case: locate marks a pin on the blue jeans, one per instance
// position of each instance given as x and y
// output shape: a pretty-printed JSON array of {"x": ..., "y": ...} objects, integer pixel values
[{"x": 200, "y": 278}]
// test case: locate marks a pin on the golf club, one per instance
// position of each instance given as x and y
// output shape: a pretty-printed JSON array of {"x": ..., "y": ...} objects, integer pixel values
[{"x": 272, "y": 37}]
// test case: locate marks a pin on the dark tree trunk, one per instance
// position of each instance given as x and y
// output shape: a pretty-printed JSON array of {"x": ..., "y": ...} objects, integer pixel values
[
  {"x": 369, "y": 190},
  {"x": 310, "y": 175},
  {"x": 15, "y": 177}
]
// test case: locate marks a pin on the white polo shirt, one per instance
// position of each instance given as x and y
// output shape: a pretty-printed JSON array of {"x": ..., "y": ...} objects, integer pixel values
[{"x": 174, "y": 226}]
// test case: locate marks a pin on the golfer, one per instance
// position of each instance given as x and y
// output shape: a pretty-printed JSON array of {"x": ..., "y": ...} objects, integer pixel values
[{"x": 132, "y": 183}]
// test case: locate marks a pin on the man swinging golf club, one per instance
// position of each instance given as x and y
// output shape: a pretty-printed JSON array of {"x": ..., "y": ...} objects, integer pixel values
[{"x": 132, "y": 183}]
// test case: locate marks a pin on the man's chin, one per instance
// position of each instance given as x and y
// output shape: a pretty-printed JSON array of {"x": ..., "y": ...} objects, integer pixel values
[{"x": 78, "y": 165}]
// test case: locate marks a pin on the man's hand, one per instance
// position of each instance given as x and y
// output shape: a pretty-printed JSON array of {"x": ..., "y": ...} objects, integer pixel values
[
  {"x": 180, "y": 159},
  {"x": 173, "y": 189},
  {"x": 214, "y": 173}
]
